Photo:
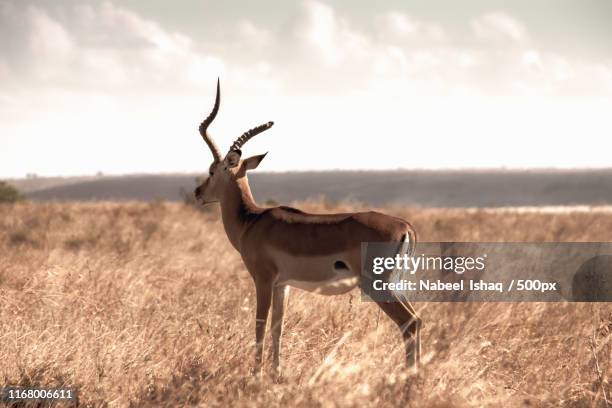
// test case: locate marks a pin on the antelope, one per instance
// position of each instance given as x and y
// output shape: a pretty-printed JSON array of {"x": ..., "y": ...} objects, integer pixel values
[{"x": 283, "y": 246}]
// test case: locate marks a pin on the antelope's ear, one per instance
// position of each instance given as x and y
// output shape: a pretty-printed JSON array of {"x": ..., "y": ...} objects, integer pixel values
[
  {"x": 232, "y": 158},
  {"x": 252, "y": 162}
]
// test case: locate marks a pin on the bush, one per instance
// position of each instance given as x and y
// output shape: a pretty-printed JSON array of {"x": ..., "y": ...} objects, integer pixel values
[{"x": 8, "y": 193}]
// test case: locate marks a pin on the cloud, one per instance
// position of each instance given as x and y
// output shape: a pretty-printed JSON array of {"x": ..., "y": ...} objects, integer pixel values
[
  {"x": 400, "y": 28},
  {"x": 331, "y": 37},
  {"x": 125, "y": 80},
  {"x": 112, "y": 49},
  {"x": 499, "y": 26},
  {"x": 493, "y": 54}
]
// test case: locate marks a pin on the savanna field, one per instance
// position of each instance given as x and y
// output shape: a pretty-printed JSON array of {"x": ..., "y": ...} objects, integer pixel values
[{"x": 147, "y": 304}]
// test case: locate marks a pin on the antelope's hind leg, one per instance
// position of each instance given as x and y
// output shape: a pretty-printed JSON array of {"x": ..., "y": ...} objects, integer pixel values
[
  {"x": 418, "y": 324},
  {"x": 409, "y": 324}
]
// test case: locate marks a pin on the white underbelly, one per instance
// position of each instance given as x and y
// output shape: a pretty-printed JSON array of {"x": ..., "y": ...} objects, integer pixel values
[
  {"x": 342, "y": 283},
  {"x": 327, "y": 275}
]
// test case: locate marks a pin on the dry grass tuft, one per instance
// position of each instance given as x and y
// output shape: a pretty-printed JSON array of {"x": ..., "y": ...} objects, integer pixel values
[{"x": 148, "y": 305}]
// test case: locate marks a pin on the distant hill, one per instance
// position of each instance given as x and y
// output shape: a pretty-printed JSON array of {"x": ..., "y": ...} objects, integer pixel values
[{"x": 415, "y": 188}]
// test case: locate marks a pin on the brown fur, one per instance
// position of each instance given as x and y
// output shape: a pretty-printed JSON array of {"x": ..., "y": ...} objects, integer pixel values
[{"x": 260, "y": 233}]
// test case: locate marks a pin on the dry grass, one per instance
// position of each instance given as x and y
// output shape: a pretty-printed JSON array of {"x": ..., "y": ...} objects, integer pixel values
[{"x": 148, "y": 305}]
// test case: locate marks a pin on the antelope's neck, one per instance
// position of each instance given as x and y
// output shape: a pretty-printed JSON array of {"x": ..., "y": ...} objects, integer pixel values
[{"x": 238, "y": 208}]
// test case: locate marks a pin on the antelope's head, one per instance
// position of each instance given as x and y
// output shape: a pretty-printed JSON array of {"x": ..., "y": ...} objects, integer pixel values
[{"x": 230, "y": 168}]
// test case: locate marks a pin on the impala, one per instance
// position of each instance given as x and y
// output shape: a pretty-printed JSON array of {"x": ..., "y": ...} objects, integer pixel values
[{"x": 283, "y": 246}]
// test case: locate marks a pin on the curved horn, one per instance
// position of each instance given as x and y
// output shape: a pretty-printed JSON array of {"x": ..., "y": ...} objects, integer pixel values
[
  {"x": 204, "y": 127},
  {"x": 246, "y": 136}
]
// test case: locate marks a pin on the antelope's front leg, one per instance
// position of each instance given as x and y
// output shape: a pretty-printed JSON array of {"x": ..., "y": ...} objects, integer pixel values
[
  {"x": 278, "y": 311},
  {"x": 264, "y": 298}
]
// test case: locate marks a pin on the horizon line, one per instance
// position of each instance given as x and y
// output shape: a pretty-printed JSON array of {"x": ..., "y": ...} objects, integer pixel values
[{"x": 502, "y": 169}]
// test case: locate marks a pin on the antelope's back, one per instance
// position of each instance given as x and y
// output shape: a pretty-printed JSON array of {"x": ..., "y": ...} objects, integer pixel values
[{"x": 299, "y": 233}]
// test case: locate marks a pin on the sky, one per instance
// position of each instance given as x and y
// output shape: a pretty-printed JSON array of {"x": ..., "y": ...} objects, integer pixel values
[{"x": 121, "y": 87}]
